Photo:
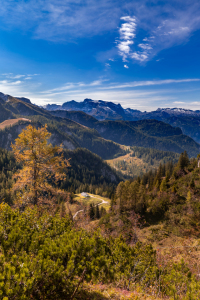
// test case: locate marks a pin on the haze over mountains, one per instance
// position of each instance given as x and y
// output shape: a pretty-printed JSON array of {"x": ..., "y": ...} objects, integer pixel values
[
  {"x": 103, "y": 110},
  {"x": 74, "y": 128},
  {"x": 187, "y": 120}
]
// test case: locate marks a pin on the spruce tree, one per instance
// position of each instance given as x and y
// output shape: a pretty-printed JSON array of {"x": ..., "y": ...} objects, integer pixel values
[
  {"x": 192, "y": 183},
  {"x": 91, "y": 212},
  {"x": 97, "y": 212},
  {"x": 102, "y": 211},
  {"x": 163, "y": 186}
]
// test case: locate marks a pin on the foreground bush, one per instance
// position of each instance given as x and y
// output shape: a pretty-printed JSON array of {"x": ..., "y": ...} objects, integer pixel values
[{"x": 44, "y": 257}]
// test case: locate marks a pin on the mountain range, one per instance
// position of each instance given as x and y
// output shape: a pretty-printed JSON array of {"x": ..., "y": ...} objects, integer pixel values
[
  {"x": 187, "y": 120},
  {"x": 105, "y": 137},
  {"x": 103, "y": 110}
]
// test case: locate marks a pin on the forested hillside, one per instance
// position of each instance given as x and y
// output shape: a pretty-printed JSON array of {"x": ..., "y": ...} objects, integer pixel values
[
  {"x": 67, "y": 132},
  {"x": 87, "y": 173},
  {"x": 145, "y": 133},
  {"x": 187, "y": 120},
  {"x": 77, "y": 129},
  {"x": 169, "y": 196},
  {"x": 140, "y": 160},
  {"x": 52, "y": 255}
]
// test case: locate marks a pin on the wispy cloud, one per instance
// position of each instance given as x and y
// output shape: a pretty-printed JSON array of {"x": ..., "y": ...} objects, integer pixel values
[
  {"x": 18, "y": 76},
  {"x": 56, "y": 20},
  {"x": 165, "y": 25},
  {"x": 70, "y": 86},
  {"x": 150, "y": 83},
  {"x": 127, "y": 34},
  {"x": 107, "y": 65},
  {"x": 12, "y": 76},
  {"x": 143, "y": 95}
]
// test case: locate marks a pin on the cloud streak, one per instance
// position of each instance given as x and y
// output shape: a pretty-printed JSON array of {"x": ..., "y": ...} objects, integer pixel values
[
  {"x": 127, "y": 34},
  {"x": 130, "y": 94},
  {"x": 163, "y": 25},
  {"x": 150, "y": 83}
]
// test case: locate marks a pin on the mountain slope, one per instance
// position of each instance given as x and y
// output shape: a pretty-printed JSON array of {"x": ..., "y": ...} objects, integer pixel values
[
  {"x": 190, "y": 125},
  {"x": 78, "y": 129},
  {"x": 68, "y": 132},
  {"x": 87, "y": 172},
  {"x": 71, "y": 134},
  {"x": 187, "y": 120},
  {"x": 103, "y": 110},
  {"x": 144, "y": 133}
]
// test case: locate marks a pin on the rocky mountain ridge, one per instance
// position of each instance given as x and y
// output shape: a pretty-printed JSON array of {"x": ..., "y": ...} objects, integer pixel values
[
  {"x": 78, "y": 129},
  {"x": 103, "y": 110},
  {"x": 188, "y": 120}
]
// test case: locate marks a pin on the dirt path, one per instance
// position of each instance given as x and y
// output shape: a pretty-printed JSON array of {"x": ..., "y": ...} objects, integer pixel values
[{"x": 103, "y": 202}]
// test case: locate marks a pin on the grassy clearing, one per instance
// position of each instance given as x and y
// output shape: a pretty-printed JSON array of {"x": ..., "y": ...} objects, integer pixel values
[
  {"x": 11, "y": 122},
  {"x": 80, "y": 202},
  {"x": 96, "y": 199},
  {"x": 139, "y": 160},
  {"x": 128, "y": 165}
]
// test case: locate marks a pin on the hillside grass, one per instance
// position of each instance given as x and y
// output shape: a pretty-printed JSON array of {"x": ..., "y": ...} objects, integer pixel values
[
  {"x": 139, "y": 160},
  {"x": 96, "y": 199},
  {"x": 108, "y": 292},
  {"x": 11, "y": 122},
  {"x": 80, "y": 202},
  {"x": 128, "y": 166}
]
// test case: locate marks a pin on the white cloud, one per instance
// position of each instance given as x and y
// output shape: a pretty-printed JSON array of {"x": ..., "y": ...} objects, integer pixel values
[
  {"x": 70, "y": 86},
  {"x": 127, "y": 34},
  {"x": 150, "y": 83},
  {"x": 165, "y": 26},
  {"x": 140, "y": 56},
  {"x": 130, "y": 94},
  {"x": 125, "y": 66},
  {"x": 11, "y": 76},
  {"x": 145, "y": 46},
  {"x": 57, "y": 20},
  {"x": 96, "y": 82},
  {"x": 18, "y": 76}
]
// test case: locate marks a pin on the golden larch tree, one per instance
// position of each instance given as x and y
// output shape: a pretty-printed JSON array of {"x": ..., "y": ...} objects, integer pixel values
[{"x": 43, "y": 167}]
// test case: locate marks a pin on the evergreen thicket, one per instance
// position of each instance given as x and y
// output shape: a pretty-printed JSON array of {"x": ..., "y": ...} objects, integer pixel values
[
  {"x": 87, "y": 173},
  {"x": 45, "y": 254},
  {"x": 45, "y": 257},
  {"x": 161, "y": 196}
]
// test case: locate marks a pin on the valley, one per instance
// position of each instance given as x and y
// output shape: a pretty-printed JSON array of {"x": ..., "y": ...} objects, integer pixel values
[
  {"x": 143, "y": 198},
  {"x": 187, "y": 120},
  {"x": 99, "y": 150}
]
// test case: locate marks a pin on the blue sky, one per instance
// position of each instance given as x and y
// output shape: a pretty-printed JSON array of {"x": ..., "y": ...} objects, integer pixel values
[{"x": 142, "y": 54}]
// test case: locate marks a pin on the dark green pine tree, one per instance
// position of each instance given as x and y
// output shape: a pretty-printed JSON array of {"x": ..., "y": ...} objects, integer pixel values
[
  {"x": 183, "y": 161},
  {"x": 158, "y": 177},
  {"x": 97, "y": 212},
  {"x": 102, "y": 211},
  {"x": 91, "y": 212},
  {"x": 192, "y": 183}
]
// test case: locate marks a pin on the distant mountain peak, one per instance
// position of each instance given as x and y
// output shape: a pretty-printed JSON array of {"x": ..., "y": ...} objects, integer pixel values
[
  {"x": 107, "y": 110},
  {"x": 178, "y": 110},
  {"x": 6, "y": 97}
]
